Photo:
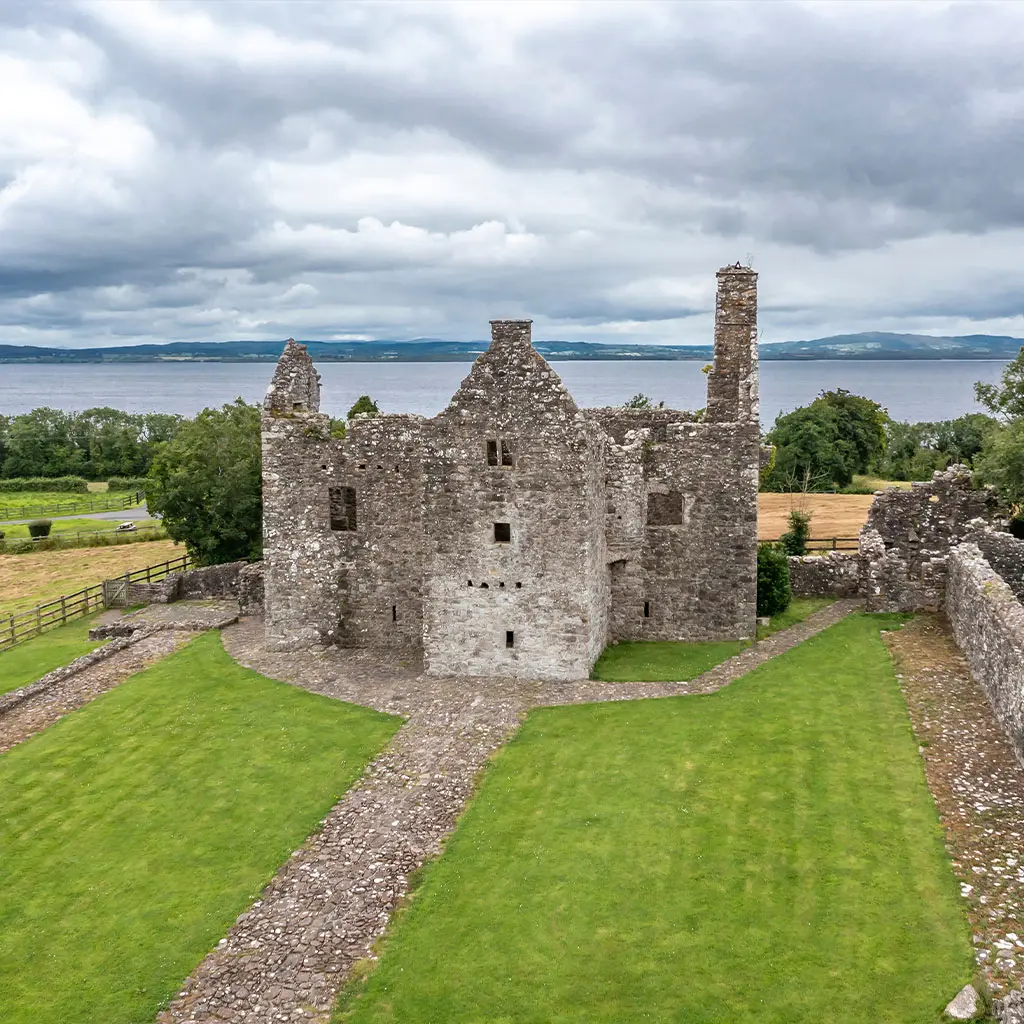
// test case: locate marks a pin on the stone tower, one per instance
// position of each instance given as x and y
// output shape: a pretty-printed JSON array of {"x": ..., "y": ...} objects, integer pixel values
[{"x": 732, "y": 382}]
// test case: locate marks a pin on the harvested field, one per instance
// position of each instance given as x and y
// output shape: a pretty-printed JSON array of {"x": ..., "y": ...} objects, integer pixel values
[
  {"x": 832, "y": 515},
  {"x": 26, "y": 580}
]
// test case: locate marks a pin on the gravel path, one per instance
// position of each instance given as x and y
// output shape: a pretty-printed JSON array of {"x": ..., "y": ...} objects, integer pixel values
[
  {"x": 287, "y": 956},
  {"x": 43, "y": 709},
  {"x": 978, "y": 786}
]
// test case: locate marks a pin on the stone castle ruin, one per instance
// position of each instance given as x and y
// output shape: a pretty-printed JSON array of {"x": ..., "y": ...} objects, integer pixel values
[{"x": 516, "y": 534}]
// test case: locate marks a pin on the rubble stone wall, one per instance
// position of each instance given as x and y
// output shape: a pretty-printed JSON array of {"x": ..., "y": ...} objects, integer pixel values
[
  {"x": 836, "y": 574},
  {"x": 1005, "y": 553},
  {"x": 988, "y": 625}
]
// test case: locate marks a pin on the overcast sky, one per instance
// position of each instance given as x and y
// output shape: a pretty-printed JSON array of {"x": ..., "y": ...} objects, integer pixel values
[{"x": 213, "y": 171}]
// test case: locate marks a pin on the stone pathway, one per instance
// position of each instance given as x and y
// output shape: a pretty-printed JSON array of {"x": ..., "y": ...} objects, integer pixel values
[
  {"x": 288, "y": 955},
  {"x": 43, "y": 709},
  {"x": 978, "y": 786}
]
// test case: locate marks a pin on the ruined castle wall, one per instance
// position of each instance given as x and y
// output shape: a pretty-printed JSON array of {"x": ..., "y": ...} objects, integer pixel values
[
  {"x": 699, "y": 557},
  {"x": 836, "y": 574},
  {"x": 625, "y": 517},
  {"x": 526, "y": 606},
  {"x": 617, "y": 423},
  {"x": 1005, "y": 553},
  {"x": 300, "y": 552},
  {"x": 908, "y": 535},
  {"x": 732, "y": 382},
  {"x": 988, "y": 625},
  {"x": 380, "y": 536}
]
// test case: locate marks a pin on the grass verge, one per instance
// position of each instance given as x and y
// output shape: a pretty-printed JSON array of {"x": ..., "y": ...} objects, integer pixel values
[
  {"x": 134, "y": 831},
  {"x": 765, "y": 855},
  {"x": 800, "y": 608},
  {"x": 27, "y": 662}
]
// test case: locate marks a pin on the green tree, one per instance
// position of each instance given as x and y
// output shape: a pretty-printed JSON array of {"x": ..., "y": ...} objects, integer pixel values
[
  {"x": 794, "y": 540},
  {"x": 1005, "y": 399},
  {"x": 364, "y": 404},
  {"x": 1001, "y": 462},
  {"x": 641, "y": 401},
  {"x": 205, "y": 482},
  {"x": 861, "y": 427},
  {"x": 43, "y": 443},
  {"x": 773, "y": 589}
]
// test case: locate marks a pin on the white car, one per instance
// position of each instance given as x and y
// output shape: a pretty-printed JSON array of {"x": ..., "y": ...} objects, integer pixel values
[{"x": 128, "y": 527}]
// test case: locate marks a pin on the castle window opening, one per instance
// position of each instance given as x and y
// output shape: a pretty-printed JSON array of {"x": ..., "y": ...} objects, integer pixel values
[
  {"x": 483, "y": 586},
  {"x": 499, "y": 452},
  {"x": 519, "y": 586},
  {"x": 506, "y": 453},
  {"x": 394, "y": 613},
  {"x": 501, "y": 585},
  {"x": 342, "y": 504},
  {"x": 665, "y": 509},
  {"x": 510, "y": 638},
  {"x": 492, "y": 453},
  {"x": 469, "y": 583},
  {"x": 647, "y": 609},
  {"x": 502, "y": 533}
]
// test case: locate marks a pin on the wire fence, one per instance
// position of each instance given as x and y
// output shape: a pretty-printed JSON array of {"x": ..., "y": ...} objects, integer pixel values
[
  {"x": 70, "y": 508},
  {"x": 21, "y": 626}
]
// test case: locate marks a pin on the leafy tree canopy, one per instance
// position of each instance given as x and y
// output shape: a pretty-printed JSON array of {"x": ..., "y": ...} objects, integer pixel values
[
  {"x": 205, "y": 482},
  {"x": 641, "y": 401},
  {"x": 1005, "y": 399},
  {"x": 364, "y": 404}
]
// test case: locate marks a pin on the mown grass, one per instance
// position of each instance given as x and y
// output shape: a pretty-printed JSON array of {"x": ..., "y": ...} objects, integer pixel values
[
  {"x": 58, "y": 526},
  {"x": 134, "y": 831},
  {"x": 765, "y": 855},
  {"x": 800, "y": 608},
  {"x": 670, "y": 660},
  {"x": 27, "y": 580},
  {"x": 27, "y": 662},
  {"x": 35, "y": 499}
]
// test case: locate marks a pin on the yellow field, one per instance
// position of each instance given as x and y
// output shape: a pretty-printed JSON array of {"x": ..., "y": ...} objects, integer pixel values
[
  {"x": 832, "y": 515},
  {"x": 27, "y": 580}
]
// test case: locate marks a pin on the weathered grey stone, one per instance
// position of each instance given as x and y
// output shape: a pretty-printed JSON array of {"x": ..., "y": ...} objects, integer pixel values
[
  {"x": 964, "y": 1005},
  {"x": 1010, "y": 1009},
  {"x": 250, "y": 589},
  {"x": 836, "y": 574},
  {"x": 515, "y": 534}
]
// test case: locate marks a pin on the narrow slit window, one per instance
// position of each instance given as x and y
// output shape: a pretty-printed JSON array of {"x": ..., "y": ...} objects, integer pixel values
[
  {"x": 492, "y": 453},
  {"x": 502, "y": 533},
  {"x": 394, "y": 613},
  {"x": 342, "y": 503},
  {"x": 510, "y": 638},
  {"x": 506, "y": 453},
  {"x": 647, "y": 609}
]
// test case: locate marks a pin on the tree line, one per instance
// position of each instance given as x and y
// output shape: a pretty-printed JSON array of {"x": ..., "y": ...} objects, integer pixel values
[
  {"x": 822, "y": 446},
  {"x": 96, "y": 444}
]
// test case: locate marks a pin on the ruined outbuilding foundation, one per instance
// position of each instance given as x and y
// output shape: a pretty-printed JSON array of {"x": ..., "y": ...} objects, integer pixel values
[{"x": 516, "y": 534}]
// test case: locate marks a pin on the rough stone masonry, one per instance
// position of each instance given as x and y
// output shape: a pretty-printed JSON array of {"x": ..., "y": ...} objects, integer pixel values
[{"x": 516, "y": 534}]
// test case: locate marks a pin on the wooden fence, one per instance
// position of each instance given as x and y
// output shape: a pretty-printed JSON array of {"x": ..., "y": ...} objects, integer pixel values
[
  {"x": 73, "y": 539},
  {"x": 821, "y": 543},
  {"x": 21, "y": 626},
  {"x": 70, "y": 508}
]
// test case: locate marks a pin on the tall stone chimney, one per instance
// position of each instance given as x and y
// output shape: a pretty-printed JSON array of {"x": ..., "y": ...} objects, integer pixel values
[{"x": 732, "y": 382}]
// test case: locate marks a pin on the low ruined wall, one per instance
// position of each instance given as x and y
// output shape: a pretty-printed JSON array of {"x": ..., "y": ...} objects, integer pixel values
[
  {"x": 194, "y": 584},
  {"x": 836, "y": 574},
  {"x": 1005, "y": 553},
  {"x": 250, "y": 589},
  {"x": 988, "y": 625}
]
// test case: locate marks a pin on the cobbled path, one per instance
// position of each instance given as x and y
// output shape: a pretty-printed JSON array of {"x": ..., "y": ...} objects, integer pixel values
[
  {"x": 978, "y": 786},
  {"x": 45, "y": 708},
  {"x": 288, "y": 955}
]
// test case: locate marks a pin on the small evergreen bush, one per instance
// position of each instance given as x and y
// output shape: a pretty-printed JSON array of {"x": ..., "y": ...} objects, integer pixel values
[
  {"x": 51, "y": 484},
  {"x": 773, "y": 593},
  {"x": 39, "y": 528},
  {"x": 794, "y": 542}
]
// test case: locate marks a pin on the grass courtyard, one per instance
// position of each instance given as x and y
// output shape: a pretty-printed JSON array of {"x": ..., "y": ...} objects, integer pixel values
[
  {"x": 135, "y": 830},
  {"x": 769, "y": 854},
  {"x": 32, "y": 659}
]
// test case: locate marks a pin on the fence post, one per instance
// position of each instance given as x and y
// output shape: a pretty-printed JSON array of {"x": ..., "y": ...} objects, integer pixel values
[
  {"x": 39, "y": 618},
  {"x": 12, "y": 629},
  {"x": 63, "y": 610},
  {"x": 835, "y": 542}
]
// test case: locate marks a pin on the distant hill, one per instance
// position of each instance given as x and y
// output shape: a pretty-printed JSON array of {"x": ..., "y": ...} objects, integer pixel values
[{"x": 870, "y": 345}]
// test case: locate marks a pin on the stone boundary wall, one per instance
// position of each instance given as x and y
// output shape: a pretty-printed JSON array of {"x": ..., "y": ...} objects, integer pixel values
[
  {"x": 193, "y": 584},
  {"x": 836, "y": 574},
  {"x": 124, "y": 636},
  {"x": 988, "y": 626},
  {"x": 1005, "y": 553}
]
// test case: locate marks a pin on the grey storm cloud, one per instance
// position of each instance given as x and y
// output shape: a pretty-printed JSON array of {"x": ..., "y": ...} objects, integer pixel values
[{"x": 189, "y": 170}]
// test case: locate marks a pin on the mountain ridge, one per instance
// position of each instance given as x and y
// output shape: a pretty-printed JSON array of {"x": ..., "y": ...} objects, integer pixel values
[{"x": 873, "y": 345}]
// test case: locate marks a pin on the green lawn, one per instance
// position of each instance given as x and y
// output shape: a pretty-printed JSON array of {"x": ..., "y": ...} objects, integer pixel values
[
  {"x": 35, "y": 499},
  {"x": 800, "y": 608},
  {"x": 768, "y": 854},
  {"x": 28, "y": 661},
  {"x": 18, "y": 531},
  {"x": 133, "y": 832}
]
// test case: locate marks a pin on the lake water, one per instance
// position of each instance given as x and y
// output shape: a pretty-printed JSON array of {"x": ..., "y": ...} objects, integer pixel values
[{"x": 933, "y": 390}]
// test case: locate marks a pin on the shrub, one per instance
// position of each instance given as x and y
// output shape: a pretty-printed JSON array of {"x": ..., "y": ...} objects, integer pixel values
[
  {"x": 773, "y": 593},
  {"x": 794, "y": 542},
  {"x": 50, "y": 484},
  {"x": 127, "y": 483},
  {"x": 39, "y": 528}
]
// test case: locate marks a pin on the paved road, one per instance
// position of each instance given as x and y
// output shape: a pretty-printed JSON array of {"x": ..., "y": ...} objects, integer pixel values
[{"x": 121, "y": 515}]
